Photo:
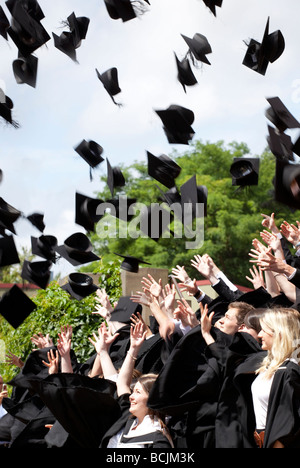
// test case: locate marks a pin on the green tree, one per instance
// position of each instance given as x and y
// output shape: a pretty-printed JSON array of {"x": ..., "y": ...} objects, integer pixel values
[
  {"x": 55, "y": 308},
  {"x": 233, "y": 219}
]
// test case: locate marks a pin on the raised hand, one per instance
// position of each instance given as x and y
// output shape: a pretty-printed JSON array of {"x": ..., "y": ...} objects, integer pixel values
[
  {"x": 257, "y": 278},
  {"x": 269, "y": 223},
  {"x": 180, "y": 274},
  {"x": 152, "y": 286},
  {"x": 291, "y": 232},
  {"x": 53, "y": 358}
]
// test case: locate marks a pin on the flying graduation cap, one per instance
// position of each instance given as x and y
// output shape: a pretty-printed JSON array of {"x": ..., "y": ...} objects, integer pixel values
[
  {"x": 280, "y": 116},
  {"x": 120, "y": 9},
  {"x": 69, "y": 41},
  {"x": 6, "y": 106},
  {"x": 44, "y": 246},
  {"x": 91, "y": 152},
  {"x": 8, "y": 252},
  {"x": 110, "y": 81},
  {"x": 26, "y": 29},
  {"x": 259, "y": 55},
  {"x": 80, "y": 286},
  {"x": 16, "y": 306},
  {"x": 115, "y": 178},
  {"x": 125, "y": 10},
  {"x": 37, "y": 220},
  {"x": 245, "y": 171},
  {"x": 25, "y": 70},
  {"x": 199, "y": 47},
  {"x": 177, "y": 121},
  {"x": 8, "y": 215},
  {"x": 86, "y": 211},
  {"x": 212, "y": 4},
  {"x": 163, "y": 169},
  {"x": 77, "y": 250},
  {"x": 131, "y": 264},
  {"x": 37, "y": 273},
  {"x": 185, "y": 73}
]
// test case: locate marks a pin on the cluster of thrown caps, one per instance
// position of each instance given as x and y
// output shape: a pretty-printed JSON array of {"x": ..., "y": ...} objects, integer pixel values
[{"x": 28, "y": 34}]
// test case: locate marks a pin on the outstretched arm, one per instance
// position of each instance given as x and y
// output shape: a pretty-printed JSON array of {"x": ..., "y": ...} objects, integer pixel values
[{"x": 137, "y": 337}]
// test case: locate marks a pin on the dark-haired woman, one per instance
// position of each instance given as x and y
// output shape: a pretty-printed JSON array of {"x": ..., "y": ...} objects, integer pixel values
[{"x": 139, "y": 426}]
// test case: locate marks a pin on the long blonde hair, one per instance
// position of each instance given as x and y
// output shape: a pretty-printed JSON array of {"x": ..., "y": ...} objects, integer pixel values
[{"x": 285, "y": 326}]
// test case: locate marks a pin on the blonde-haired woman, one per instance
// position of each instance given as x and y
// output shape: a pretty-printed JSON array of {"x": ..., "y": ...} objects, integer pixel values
[{"x": 276, "y": 389}]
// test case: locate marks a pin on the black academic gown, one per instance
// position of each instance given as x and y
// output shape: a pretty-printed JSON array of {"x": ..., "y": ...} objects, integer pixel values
[
  {"x": 235, "y": 416},
  {"x": 84, "y": 407},
  {"x": 283, "y": 419},
  {"x": 187, "y": 389}
]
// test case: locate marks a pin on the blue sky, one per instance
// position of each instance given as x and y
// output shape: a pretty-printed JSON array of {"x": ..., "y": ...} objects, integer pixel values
[{"x": 41, "y": 170}]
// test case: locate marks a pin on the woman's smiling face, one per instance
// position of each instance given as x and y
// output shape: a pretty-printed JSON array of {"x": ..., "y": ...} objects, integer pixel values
[{"x": 138, "y": 402}]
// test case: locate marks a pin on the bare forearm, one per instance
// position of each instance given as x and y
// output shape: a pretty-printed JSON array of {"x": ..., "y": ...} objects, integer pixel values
[{"x": 66, "y": 364}]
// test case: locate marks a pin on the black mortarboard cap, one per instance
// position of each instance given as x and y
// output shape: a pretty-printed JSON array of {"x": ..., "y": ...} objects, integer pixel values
[
  {"x": 177, "y": 122},
  {"x": 37, "y": 220},
  {"x": 69, "y": 41},
  {"x": 37, "y": 273},
  {"x": 44, "y": 246},
  {"x": 8, "y": 215},
  {"x": 25, "y": 70},
  {"x": 259, "y": 55},
  {"x": 26, "y": 30},
  {"x": 131, "y": 264},
  {"x": 120, "y": 9},
  {"x": 211, "y": 4},
  {"x": 79, "y": 27},
  {"x": 115, "y": 178},
  {"x": 65, "y": 43},
  {"x": 91, "y": 152},
  {"x": 280, "y": 116},
  {"x": 4, "y": 23},
  {"x": 281, "y": 145},
  {"x": 86, "y": 211},
  {"x": 124, "y": 310},
  {"x": 16, "y": 306},
  {"x": 245, "y": 171},
  {"x": 287, "y": 184},
  {"x": 80, "y": 286},
  {"x": 253, "y": 58},
  {"x": 273, "y": 44},
  {"x": 8, "y": 251},
  {"x": 191, "y": 195},
  {"x": 110, "y": 81},
  {"x": 199, "y": 47},
  {"x": 185, "y": 73},
  {"x": 163, "y": 169},
  {"x": 6, "y": 106},
  {"x": 77, "y": 250}
]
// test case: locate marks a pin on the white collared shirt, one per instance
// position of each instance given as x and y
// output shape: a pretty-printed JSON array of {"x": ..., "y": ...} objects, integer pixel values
[{"x": 147, "y": 426}]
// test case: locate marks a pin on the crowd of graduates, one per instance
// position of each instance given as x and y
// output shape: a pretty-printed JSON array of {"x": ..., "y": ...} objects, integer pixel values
[{"x": 225, "y": 376}]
